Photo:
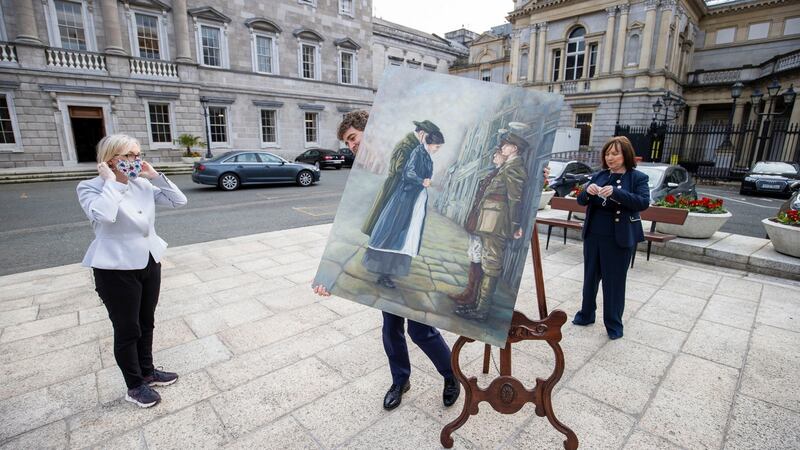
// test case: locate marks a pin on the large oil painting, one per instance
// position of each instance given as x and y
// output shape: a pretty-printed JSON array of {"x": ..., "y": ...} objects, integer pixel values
[{"x": 436, "y": 217}]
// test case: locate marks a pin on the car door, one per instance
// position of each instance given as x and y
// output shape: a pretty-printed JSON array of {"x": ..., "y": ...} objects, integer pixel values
[
  {"x": 674, "y": 179},
  {"x": 277, "y": 170},
  {"x": 249, "y": 167},
  {"x": 303, "y": 157}
]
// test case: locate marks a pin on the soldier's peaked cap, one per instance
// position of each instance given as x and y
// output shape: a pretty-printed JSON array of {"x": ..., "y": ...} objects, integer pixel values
[
  {"x": 426, "y": 126},
  {"x": 513, "y": 139}
]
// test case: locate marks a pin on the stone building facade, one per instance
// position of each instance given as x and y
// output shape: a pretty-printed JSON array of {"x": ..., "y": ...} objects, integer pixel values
[
  {"x": 489, "y": 56},
  {"x": 274, "y": 75},
  {"x": 612, "y": 60}
]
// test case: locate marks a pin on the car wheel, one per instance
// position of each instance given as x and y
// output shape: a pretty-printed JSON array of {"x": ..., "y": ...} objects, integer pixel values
[
  {"x": 338, "y": 167},
  {"x": 229, "y": 182},
  {"x": 316, "y": 164},
  {"x": 305, "y": 178}
]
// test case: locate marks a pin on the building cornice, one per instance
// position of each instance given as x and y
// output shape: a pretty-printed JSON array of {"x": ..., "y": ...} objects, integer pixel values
[{"x": 411, "y": 38}]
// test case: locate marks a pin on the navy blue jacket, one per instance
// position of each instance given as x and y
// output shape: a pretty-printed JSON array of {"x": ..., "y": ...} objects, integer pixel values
[{"x": 630, "y": 197}]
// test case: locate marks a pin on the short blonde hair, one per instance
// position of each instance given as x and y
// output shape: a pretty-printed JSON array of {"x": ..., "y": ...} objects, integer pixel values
[{"x": 114, "y": 144}]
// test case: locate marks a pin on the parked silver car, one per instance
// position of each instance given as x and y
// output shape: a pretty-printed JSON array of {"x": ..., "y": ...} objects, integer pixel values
[{"x": 666, "y": 179}]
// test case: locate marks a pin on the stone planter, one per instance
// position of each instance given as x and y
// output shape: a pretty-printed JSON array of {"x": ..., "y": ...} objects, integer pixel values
[
  {"x": 785, "y": 238},
  {"x": 545, "y": 198},
  {"x": 697, "y": 225},
  {"x": 190, "y": 159}
]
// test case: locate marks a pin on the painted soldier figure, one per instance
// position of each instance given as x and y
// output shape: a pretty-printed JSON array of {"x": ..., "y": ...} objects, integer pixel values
[
  {"x": 475, "y": 248},
  {"x": 498, "y": 222}
]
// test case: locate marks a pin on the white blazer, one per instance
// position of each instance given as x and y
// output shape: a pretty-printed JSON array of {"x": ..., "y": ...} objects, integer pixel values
[{"x": 123, "y": 219}]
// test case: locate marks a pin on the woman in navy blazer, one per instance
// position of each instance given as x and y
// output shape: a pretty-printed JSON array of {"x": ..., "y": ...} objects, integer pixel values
[
  {"x": 612, "y": 229},
  {"x": 125, "y": 256}
]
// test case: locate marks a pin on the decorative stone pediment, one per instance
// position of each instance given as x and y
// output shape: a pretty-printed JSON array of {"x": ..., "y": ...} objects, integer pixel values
[
  {"x": 147, "y": 4},
  {"x": 347, "y": 43},
  {"x": 262, "y": 24},
  {"x": 636, "y": 26},
  {"x": 308, "y": 33},
  {"x": 208, "y": 13}
]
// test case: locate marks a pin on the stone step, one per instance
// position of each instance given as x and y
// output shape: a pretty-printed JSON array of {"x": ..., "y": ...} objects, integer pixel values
[{"x": 38, "y": 177}]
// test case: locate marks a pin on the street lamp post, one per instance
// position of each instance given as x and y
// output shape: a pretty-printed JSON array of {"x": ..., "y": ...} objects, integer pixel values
[
  {"x": 204, "y": 104},
  {"x": 772, "y": 92},
  {"x": 658, "y": 126},
  {"x": 736, "y": 92}
]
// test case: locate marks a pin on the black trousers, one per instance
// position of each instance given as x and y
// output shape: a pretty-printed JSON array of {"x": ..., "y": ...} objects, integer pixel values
[
  {"x": 426, "y": 337},
  {"x": 130, "y": 296}
]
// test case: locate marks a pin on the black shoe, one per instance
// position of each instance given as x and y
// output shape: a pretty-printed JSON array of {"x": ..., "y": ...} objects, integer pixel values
[
  {"x": 161, "y": 378},
  {"x": 582, "y": 321},
  {"x": 386, "y": 282},
  {"x": 473, "y": 314},
  {"x": 614, "y": 336},
  {"x": 451, "y": 391},
  {"x": 395, "y": 395},
  {"x": 144, "y": 396}
]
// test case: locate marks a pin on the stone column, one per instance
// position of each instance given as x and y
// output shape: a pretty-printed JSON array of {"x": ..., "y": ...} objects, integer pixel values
[
  {"x": 111, "y": 28},
  {"x": 662, "y": 47},
  {"x": 531, "y": 53},
  {"x": 26, "y": 22},
  {"x": 181, "y": 31},
  {"x": 608, "y": 42},
  {"x": 649, "y": 31},
  {"x": 674, "y": 59},
  {"x": 622, "y": 36},
  {"x": 540, "y": 51}
]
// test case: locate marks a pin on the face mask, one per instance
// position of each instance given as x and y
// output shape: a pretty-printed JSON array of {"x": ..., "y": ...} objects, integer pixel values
[{"x": 131, "y": 169}]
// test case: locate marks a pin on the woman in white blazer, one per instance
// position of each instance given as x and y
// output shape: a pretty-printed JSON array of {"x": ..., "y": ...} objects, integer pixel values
[{"x": 125, "y": 256}]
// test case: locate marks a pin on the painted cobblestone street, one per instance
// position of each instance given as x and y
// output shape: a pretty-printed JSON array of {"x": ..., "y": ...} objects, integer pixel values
[{"x": 709, "y": 360}]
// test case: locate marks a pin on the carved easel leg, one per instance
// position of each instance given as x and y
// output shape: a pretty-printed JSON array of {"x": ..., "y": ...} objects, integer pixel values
[{"x": 505, "y": 393}]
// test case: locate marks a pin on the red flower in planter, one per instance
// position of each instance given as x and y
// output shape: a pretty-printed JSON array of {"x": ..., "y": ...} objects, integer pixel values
[{"x": 702, "y": 205}]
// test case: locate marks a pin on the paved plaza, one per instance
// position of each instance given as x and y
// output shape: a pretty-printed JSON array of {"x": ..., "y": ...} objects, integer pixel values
[{"x": 710, "y": 359}]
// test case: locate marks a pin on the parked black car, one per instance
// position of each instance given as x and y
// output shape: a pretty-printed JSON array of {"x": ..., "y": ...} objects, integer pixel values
[
  {"x": 666, "y": 179},
  {"x": 349, "y": 157},
  {"x": 771, "y": 177},
  {"x": 321, "y": 158},
  {"x": 233, "y": 169},
  {"x": 565, "y": 175}
]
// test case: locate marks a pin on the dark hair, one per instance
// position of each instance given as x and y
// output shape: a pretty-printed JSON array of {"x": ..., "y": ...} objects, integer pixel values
[
  {"x": 434, "y": 137},
  {"x": 627, "y": 151},
  {"x": 356, "y": 119}
]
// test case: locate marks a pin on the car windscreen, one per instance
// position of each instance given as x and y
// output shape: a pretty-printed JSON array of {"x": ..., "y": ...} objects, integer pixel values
[
  {"x": 774, "y": 167},
  {"x": 556, "y": 168},
  {"x": 655, "y": 175},
  {"x": 219, "y": 157}
]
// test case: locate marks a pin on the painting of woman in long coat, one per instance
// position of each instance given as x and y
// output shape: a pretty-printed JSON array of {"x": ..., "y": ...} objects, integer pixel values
[{"x": 397, "y": 234}]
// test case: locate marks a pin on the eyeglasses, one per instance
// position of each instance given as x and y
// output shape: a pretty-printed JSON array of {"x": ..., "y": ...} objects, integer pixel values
[{"x": 130, "y": 156}]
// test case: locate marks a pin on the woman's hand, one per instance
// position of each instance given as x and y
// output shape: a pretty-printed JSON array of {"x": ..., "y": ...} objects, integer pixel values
[
  {"x": 606, "y": 191},
  {"x": 105, "y": 172},
  {"x": 148, "y": 171},
  {"x": 426, "y": 182},
  {"x": 593, "y": 189},
  {"x": 321, "y": 290}
]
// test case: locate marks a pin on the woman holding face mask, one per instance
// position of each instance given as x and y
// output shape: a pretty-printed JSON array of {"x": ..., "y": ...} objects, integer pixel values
[
  {"x": 611, "y": 231},
  {"x": 125, "y": 256}
]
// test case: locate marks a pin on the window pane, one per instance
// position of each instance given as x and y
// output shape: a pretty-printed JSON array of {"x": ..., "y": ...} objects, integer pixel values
[
  {"x": 70, "y": 25},
  {"x": 309, "y": 61},
  {"x": 160, "y": 130},
  {"x": 211, "y": 46},
  {"x": 268, "y": 126},
  {"x": 347, "y": 68},
  {"x": 147, "y": 32},
  {"x": 346, "y": 6},
  {"x": 556, "y": 64},
  {"x": 592, "y": 60},
  {"x": 6, "y": 130},
  {"x": 311, "y": 127},
  {"x": 217, "y": 119},
  {"x": 264, "y": 53},
  {"x": 584, "y": 122}
]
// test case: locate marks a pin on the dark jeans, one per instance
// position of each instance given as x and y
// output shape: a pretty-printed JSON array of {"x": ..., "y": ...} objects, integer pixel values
[
  {"x": 130, "y": 296},
  {"x": 426, "y": 337}
]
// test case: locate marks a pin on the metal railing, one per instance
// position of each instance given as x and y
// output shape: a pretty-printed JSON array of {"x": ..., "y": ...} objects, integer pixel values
[
  {"x": 716, "y": 150},
  {"x": 153, "y": 68},
  {"x": 73, "y": 59},
  {"x": 778, "y": 64}
]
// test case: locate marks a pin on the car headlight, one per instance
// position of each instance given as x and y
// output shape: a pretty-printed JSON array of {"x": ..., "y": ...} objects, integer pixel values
[{"x": 749, "y": 179}]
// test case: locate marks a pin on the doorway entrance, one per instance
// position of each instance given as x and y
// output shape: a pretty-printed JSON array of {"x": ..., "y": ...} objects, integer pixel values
[{"x": 88, "y": 128}]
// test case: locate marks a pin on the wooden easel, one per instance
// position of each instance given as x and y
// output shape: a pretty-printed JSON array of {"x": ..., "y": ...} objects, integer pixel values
[{"x": 506, "y": 394}]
